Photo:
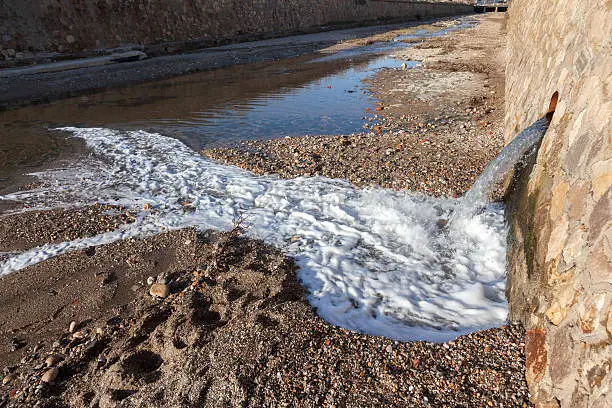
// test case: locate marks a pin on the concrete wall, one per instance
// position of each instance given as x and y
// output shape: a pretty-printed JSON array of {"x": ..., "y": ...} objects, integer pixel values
[
  {"x": 70, "y": 26},
  {"x": 560, "y": 278}
]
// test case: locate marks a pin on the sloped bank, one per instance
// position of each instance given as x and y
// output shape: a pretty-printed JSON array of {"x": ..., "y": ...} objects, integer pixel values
[
  {"x": 560, "y": 278},
  {"x": 69, "y": 26}
]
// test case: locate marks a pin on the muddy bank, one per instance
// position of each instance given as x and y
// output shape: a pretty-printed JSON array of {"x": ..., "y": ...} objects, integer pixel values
[
  {"x": 436, "y": 128},
  {"x": 235, "y": 329}
]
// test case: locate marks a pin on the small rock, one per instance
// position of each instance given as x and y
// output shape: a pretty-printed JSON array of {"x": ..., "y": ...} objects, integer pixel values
[
  {"x": 54, "y": 359},
  {"x": 81, "y": 334},
  {"x": 159, "y": 290},
  {"x": 150, "y": 280},
  {"x": 72, "y": 327},
  {"x": 50, "y": 375},
  {"x": 17, "y": 344},
  {"x": 9, "y": 379}
]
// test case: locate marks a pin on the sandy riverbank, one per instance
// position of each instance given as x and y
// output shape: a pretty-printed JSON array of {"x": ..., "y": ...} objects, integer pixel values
[
  {"x": 235, "y": 328},
  {"x": 437, "y": 128}
]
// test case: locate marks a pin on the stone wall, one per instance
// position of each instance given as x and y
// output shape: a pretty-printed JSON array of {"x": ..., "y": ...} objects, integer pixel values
[
  {"x": 560, "y": 277},
  {"x": 71, "y": 26}
]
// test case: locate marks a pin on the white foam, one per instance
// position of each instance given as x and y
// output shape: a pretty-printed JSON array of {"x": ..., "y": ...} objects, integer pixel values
[{"x": 372, "y": 260}]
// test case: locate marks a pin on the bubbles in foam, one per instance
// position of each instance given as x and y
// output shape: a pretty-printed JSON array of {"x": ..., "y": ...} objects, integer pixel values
[{"x": 371, "y": 260}]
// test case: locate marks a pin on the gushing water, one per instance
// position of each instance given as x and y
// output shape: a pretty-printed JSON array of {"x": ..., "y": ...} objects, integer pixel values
[
  {"x": 478, "y": 196},
  {"x": 371, "y": 260}
]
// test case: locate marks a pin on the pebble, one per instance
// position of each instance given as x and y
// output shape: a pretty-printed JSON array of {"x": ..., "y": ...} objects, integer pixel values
[
  {"x": 81, "y": 334},
  {"x": 150, "y": 280},
  {"x": 54, "y": 359},
  {"x": 72, "y": 327},
  {"x": 9, "y": 379},
  {"x": 50, "y": 375},
  {"x": 159, "y": 290}
]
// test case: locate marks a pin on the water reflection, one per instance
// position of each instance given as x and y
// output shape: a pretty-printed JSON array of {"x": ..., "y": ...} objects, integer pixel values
[{"x": 297, "y": 96}]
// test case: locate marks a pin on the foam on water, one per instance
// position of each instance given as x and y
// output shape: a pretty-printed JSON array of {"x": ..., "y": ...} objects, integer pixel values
[{"x": 371, "y": 260}]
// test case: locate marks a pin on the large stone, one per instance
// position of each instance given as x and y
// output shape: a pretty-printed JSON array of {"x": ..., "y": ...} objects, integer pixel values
[
  {"x": 596, "y": 374},
  {"x": 557, "y": 204},
  {"x": 562, "y": 356},
  {"x": 50, "y": 375},
  {"x": 536, "y": 355},
  {"x": 602, "y": 178},
  {"x": 557, "y": 239}
]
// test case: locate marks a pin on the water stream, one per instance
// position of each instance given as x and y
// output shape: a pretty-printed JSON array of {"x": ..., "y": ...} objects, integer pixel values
[
  {"x": 477, "y": 197},
  {"x": 372, "y": 260}
]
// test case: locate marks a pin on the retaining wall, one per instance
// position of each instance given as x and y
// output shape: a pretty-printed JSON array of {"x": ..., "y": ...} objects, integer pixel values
[
  {"x": 560, "y": 278},
  {"x": 71, "y": 26}
]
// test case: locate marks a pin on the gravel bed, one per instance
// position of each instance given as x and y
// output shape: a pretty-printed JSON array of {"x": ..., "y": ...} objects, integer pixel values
[
  {"x": 33, "y": 228},
  {"x": 440, "y": 157},
  {"x": 234, "y": 328}
]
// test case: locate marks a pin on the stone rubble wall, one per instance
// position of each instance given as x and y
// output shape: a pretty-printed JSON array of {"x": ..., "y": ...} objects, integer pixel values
[
  {"x": 72, "y": 26},
  {"x": 560, "y": 214}
]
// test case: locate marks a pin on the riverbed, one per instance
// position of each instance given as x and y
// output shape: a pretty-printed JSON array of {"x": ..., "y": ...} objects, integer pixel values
[{"x": 371, "y": 260}]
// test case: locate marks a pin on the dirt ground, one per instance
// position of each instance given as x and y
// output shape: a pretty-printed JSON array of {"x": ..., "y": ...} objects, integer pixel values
[
  {"x": 233, "y": 329},
  {"x": 436, "y": 129}
]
